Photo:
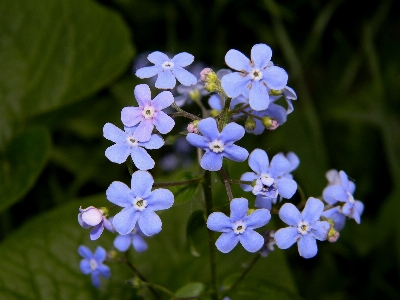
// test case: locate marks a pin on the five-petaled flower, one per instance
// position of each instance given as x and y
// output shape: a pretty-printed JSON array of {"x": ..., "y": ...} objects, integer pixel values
[
  {"x": 218, "y": 144},
  {"x": 94, "y": 217},
  {"x": 139, "y": 203},
  {"x": 93, "y": 263},
  {"x": 305, "y": 227},
  {"x": 168, "y": 69},
  {"x": 239, "y": 227},
  {"x": 148, "y": 114}
]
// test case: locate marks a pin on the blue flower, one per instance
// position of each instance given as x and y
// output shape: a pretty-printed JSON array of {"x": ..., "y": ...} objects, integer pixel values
[
  {"x": 94, "y": 217},
  {"x": 239, "y": 227},
  {"x": 289, "y": 94},
  {"x": 168, "y": 69},
  {"x": 271, "y": 180},
  {"x": 304, "y": 228},
  {"x": 139, "y": 204},
  {"x": 135, "y": 238},
  {"x": 342, "y": 191},
  {"x": 218, "y": 144},
  {"x": 93, "y": 263},
  {"x": 125, "y": 145},
  {"x": 148, "y": 114},
  {"x": 257, "y": 75}
]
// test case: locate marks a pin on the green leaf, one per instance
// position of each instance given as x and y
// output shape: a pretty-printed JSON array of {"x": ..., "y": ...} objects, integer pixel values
[
  {"x": 184, "y": 193},
  {"x": 24, "y": 159},
  {"x": 193, "y": 289},
  {"x": 57, "y": 52},
  {"x": 195, "y": 223}
]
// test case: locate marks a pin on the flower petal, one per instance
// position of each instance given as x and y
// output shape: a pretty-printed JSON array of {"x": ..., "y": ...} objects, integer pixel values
[
  {"x": 251, "y": 241},
  {"x": 320, "y": 230},
  {"x": 239, "y": 209},
  {"x": 149, "y": 222},
  {"x": 125, "y": 220},
  {"x": 248, "y": 176},
  {"x": 165, "y": 80},
  {"x": 96, "y": 279},
  {"x": 160, "y": 199},
  {"x": 293, "y": 160},
  {"x": 279, "y": 165},
  {"x": 184, "y": 76},
  {"x": 118, "y": 153},
  {"x": 307, "y": 246},
  {"x": 119, "y": 193},
  {"x": 313, "y": 210},
  {"x": 139, "y": 244},
  {"x": 104, "y": 270},
  {"x": 197, "y": 140},
  {"x": 258, "y": 218},
  {"x": 141, "y": 184},
  {"x": 290, "y": 214},
  {"x": 142, "y": 94},
  {"x": 215, "y": 102},
  {"x": 286, "y": 237},
  {"x": 234, "y": 84},
  {"x": 142, "y": 159},
  {"x": 147, "y": 72},
  {"x": 113, "y": 133},
  {"x": 339, "y": 193},
  {"x": 258, "y": 161},
  {"x": 261, "y": 55},
  {"x": 163, "y": 100},
  {"x": 122, "y": 242},
  {"x": 158, "y": 58},
  {"x": 130, "y": 116},
  {"x": 231, "y": 133},
  {"x": 226, "y": 242},
  {"x": 275, "y": 77},
  {"x": 100, "y": 254},
  {"x": 143, "y": 132},
  {"x": 85, "y": 252},
  {"x": 183, "y": 59},
  {"x": 163, "y": 122},
  {"x": 237, "y": 60},
  {"x": 218, "y": 221},
  {"x": 85, "y": 267},
  {"x": 211, "y": 161},
  {"x": 286, "y": 187},
  {"x": 155, "y": 142},
  {"x": 327, "y": 195},
  {"x": 344, "y": 180},
  {"x": 235, "y": 153},
  {"x": 277, "y": 112},
  {"x": 96, "y": 232},
  {"x": 208, "y": 128},
  {"x": 264, "y": 202}
]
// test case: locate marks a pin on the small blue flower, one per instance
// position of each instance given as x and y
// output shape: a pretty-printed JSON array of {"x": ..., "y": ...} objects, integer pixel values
[
  {"x": 125, "y": 145},
  {"x": 289, "y": 94},
  {"x": 343, "y": 192},
  {"x": 168, "y": 69},
  {"x": 139, "y": 204},
  {"x": 135, "y": 238},
  {"x": 257, "y": 75},
  {"x": 271, "y": 180},
  {"x": 239, "y": 227},
  {"x": 304, "y": 228},
  {"x": 148, "y": 114},
  {"x": 218, "y": 144},
  {"x": 93, "y": 263},
  {"x": 94, "y": 217}
]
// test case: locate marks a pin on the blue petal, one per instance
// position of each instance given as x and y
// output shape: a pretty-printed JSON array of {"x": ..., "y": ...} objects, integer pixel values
[
  {"x": 344, "y": 180},
  {"x": 320, "y": 230},
  {"x": 100, "y": 254},
  {"x": 125, "y": 220},
  {"x": 235, "y": 153},
  {"x": 113, "y": 133},
  {"x": 96, "y": 279},
  {"x": 197, "y": 140},
  {"x": 181, "y": 100},
  {"x": 263, "y": 202},
  {"x": 279, "y": 166},
  {"x": 96, "y": 232},
  {"x": 143, "y": 132},
  {"x": 261, "y": 55},
  {"x": 234, "y": 84},
  {"x": 293, "y": 160},
  {"x": 158, "y": 58},
  {"x": 211, "y": 161},
  {"x": 160, "y": 199},
  {"x": 118, "y": 153},
  {"x": 149, "y": 222},
  {"x": 290, "y": 214},
  {"x": 258, "y": 96},
  {"x": 130, "y": 116},
  {"x": 251, "y": 241},
  {"x": 276, "y": 111},
  {"x": 258, "y": 218},
  {"x": 226, "y": 242},
  {"x": 163, "y": 122},
  {"x": 338, "y": 218},
  {"x": 82, "y": 223},
  {"x": 352, "y": 187},
  {"x": 163, "y": 100},
  {"x": 142, "y": 94},
  {"x": 339, "y": 193},
  {"x": 155, "y": 142},
  {"x": 208, "y": 128},
  {"x": 85, "y": 267},
  {"x": 286, "y": 237},
  {"x": 239, "y": 209},
  {"x": 258, "y": 161},
  {"x": 215, "y": 102},
  {"x": 275, "y": 77},
  {"x": 231, "y": 133},
  {"x": 286, "y": 187},
  {"x": 122, "y": 242},
  {"x": 237, "y": 60},
  {"x": 85, "y": 252},
  {"x": 184, "y": 76},
  {"x": 313, "y": 210},
  {"x": 307, "y": 246},
  {"x": 119, "y": 193},
  {"x": 139, "y": 244},
  {"x": 141, "y": 184},
  {"x": 165, "y": 80},
  {"x": 218, "y": 221},
  {"x": 183, "y": 59},
  {"x": 142, "y": 159},
  {"x": 248, "y": 176},
  {"x": 148, "y": 72},
  {"x": 104, "y": 270},
  {"x": 327, "y": 195}
]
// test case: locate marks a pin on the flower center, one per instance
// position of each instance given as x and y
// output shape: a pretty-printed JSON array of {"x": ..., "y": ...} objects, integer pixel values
[
  {"x": 148, "y": 112},
  {"x": 266, "y": 187},
  {"x": 302, "y": 228},
  {"x": 239, "y": 227},
  {"x": 168, "y": 65},
  {"x": 132, "y": 141},
  {"x": 93, "y": 264},
  {"x": 256, "y": 74},
  {"x": 140, "y": 204},
  {"x": 216, "y": 146}
]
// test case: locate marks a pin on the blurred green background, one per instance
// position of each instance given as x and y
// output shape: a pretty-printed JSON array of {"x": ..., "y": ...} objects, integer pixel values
[{"x": 66, "y": 70}]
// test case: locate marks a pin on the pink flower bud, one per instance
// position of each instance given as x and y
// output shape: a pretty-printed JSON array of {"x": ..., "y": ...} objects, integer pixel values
[
  {"x": 204, "y": 73},
  {"x": 91, "y": 215},
  {"x": 192, "y": 128}
]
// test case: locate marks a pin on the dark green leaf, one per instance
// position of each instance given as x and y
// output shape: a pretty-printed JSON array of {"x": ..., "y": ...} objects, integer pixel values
[
  {"x": 195, "y": 223},
  {"x": 184, "y": 193},
  {"x": 193, "y": 289}
]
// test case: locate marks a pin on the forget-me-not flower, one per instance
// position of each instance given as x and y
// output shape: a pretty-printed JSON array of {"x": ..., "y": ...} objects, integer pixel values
[
  {"x": 148, "y": 114},
  {"x": 126, "y": 144},
  {"x": 271, "y": 180},
  {"x": 93, "y": 263},
  {"x": 218, "y": 144},
  {"x": 135, "y": 238},
  {"x": 289, "y": 94},
  {"x": 168, "y": 70},
  {"x": 139, "y": 204},
  {"x": 94, "y": 217},
  {"x": 257, "y": 75},
  {"x": 305, "y": 227},
  {"x": 239, "y": 227}
]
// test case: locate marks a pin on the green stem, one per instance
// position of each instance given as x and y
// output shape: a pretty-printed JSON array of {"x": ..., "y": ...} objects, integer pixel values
[
  {"x": 182, "y": 113},
  {"x": 235, "y": 181},
  {"x": 129, "y": 163},
  {"x": 183, "y": 182},
  {"x": 227, "y": 184}
]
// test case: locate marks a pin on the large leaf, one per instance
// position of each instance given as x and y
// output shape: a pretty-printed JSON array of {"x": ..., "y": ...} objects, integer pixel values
[
  {"x": 55, "y": 52},
  {"x": 24, "y": 159}
]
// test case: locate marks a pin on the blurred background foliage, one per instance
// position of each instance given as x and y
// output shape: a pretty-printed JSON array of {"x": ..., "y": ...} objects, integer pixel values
[{"x": 66, "y": 70}]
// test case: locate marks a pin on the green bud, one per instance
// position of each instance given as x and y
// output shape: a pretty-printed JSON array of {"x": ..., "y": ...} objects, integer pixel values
[
  {"x": 194, "y": 95},
  {"x": 250, "y": 124},
  {"x": 275, "y": 92},
  {"x": 254, "y": 182},
  {"x": 214, "y": 113},
  {"x": 210, "y": 87},
  {"x": 104, "y": 211},
  {"x": 270, "y": 123}
]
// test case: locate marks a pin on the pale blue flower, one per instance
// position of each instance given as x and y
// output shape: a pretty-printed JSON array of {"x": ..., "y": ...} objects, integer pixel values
[
  {"x": 135, "y": 238},
  {"x": 93, "y": 264}
]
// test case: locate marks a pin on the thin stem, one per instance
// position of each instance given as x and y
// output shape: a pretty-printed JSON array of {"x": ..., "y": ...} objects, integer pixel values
[
  {"x": 302, "y": 197},
  {"x": 227, "y": 184},
  {"x": 182, "y": 113},
  {"x": 251, "y": 115},
  {"x": 235, "y": 181},
  {"x": 183, "y": 182}
]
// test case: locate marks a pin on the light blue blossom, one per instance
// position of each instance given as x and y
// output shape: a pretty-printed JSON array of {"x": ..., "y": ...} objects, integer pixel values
[
  {"x": 93, "y": 264},
  {"x": 168, "y": 70},
  {"x": 239, "y": 227},
  {"x": 139, "y": 204},
  {"x": 218, "y": 144},
  {"x": 270, "y": 179},
  {"x": 148, "y": 114},
  {"x": 94, "y": 217},
  {"x": 125, "y": 145},
  {"x": 135, "y": 238},
  {"x": 305, "y": 227},
  {"x": 258, "y": 76}
]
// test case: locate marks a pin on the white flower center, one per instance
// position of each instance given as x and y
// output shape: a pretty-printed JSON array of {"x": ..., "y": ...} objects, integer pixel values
[
  {"x": 93, "y": 264},
  {"x": 216, "y": 146},
  {"x": 239, "y": 227},
  {"x": 256, "y": 74},
  {"x": 167, "y": 65},
  {"x": 148, "y": 112},
  {"x": 132, "y": 141},
  {"x": 303, "y": 227},
  {"x": 265, "y": 186},
  {"x": 140, "y": 204}
]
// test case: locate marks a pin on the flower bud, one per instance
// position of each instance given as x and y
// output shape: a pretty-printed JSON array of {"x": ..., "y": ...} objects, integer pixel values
[
  {"x": 275, "y": 92},
  {"x": 208, "y": 75},
  {"x": 214, "y": 113},
  {"x": 192, "y": 127},
  {"x": 333, "y": 235},
  {"x": 210, "y": 87},
  {"x": 270, "y": 123},
  {"x": 112, "y": 254},
  {"x": 250, "y": 124},
  {"x": 90, "y": 216},
  {"x": 195, "y": 95}
]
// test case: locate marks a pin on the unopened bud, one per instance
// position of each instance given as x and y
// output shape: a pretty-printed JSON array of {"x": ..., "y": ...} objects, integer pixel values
[
  {"x": 250, "y": 211},
  {"x": 192, "y": 127},
  {"x": 214, "y": 113},
  {"x": 270, "y": 123},
  {"x": 194, "y": 95},
  {"x": 208, "y": 75},
  {"x": 112, "y": 254},
  {"x": 254, "y": 182},
  {"x": 250, "y": 124},
  {"x": 210, "y": 87},
  {"x": 275, "y": 92},
  {"x": 333, "y": 235}
]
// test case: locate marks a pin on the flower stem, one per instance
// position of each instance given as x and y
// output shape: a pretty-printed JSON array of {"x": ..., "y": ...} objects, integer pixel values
[
  {"x": 227, "y": 184},
  {"x": 176, "y": 183},
  {"x": 182, "y": 113}
]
